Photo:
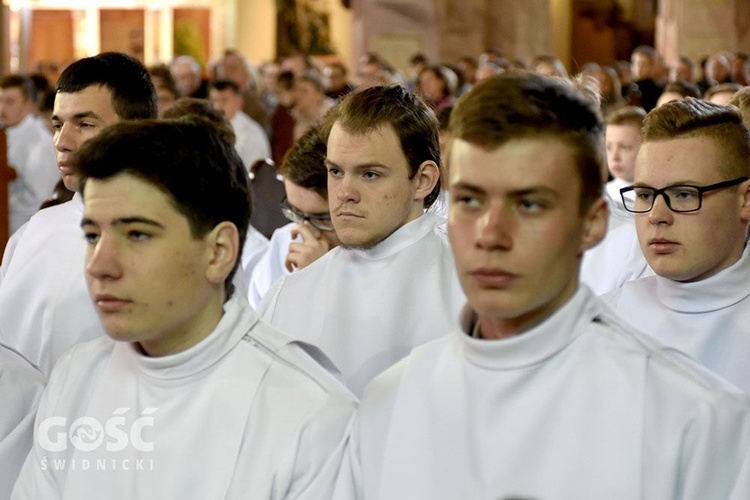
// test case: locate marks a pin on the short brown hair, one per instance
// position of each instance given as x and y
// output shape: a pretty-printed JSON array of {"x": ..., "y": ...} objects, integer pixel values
[
  {"x": 520, "y": 106},
  {"x": 741, "y": 100},
  {"x": 627, "y": 115},
  {"x": 304, "y": 163},
  {"x": 692, "y": 117}
]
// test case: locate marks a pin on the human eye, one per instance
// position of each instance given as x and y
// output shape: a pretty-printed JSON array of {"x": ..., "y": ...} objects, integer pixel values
[
  {"x": 334, "y": 172},
  {"x": 644, "y": 194},
  {"x": 57, "y": 125},
  {"x": 683, "y": 193},
  {"x": 86, "y": 125},
  {"x": 136, "y": 235},
  {"x": 91, "y": 237},
  {"x": 371, "y": 175},
  {"x": 530, "y": 206},
  {"x": 466, "y": 200}
]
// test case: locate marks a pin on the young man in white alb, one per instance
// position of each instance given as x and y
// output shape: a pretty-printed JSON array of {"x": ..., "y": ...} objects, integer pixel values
[
  {"x": 391, "y": 284},
  {"x": 190, "y": 396},
  {"x": 618, "y": 258},
  {"x": 692, "y": 210},
  {"x": 543, "y": 392},
  {"x": 251, "y": 139},
  {"x": 311, "y": 234},
  {"x": 31, "y": 153},
  {"x": 44, "y": 306}
]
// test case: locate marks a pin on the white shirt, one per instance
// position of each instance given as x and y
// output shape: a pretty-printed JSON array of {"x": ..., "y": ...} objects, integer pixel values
[
  {"x": 612, "y": 189},
  {"x": 578, "y": 407},
  {"x": 21, "y": 386},
  {"x": 45, "y": 306},
  {"x": 31, "y": 153},
  {"x": 271, "y": 266},
  {"x": 707, "y": 319},
  {"x": 366, "y": 309},
  {"x": 255, "y": 247},
  {"x": 618, "y": 258},
  {"x": 252, "y": 142},
  {"x": 245, "y": 413}
]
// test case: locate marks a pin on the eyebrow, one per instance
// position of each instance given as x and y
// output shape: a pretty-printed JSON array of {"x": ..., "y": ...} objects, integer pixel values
[
  {"x": 86, "y": 221},
  {"x": 516, "y": 192},
  {"x": 360, "y": 166},
  {"x": 672, "y": 184},
  {"x": 79, "y": 116}
]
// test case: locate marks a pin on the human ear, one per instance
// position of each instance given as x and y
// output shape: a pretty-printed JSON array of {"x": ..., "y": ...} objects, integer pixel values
[
  {"x": 224, "y": 250},
  {"x": 426, "y": 177},
  {"x": 594, "y": 224},
  {"x": 744, "y": 190}
]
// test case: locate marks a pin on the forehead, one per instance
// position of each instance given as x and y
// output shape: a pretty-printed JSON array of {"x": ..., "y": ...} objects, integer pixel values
[
  {"x": 624, "y": 131},
  {"x": 515, "y": 165},
  {"x": 378, "y": 145},
  {"x": 121, "y": 194},
  {"x": 11, "y": 92},
  {"x": 685, "y": 159},
  {"x": 305, "y": 200},
  {"x": 214, "y": 92},
  {"x": 95, "y": 98}
]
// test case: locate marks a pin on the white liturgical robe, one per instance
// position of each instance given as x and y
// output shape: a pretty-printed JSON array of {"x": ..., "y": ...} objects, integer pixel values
[
  {"x": 245, "y": 413},
  {"x": 578, "y": 407},
  {"x": 252, "y": 142},
  {"x": 270, "y": 268},
  {"x": 254, "y": 249},
  {"x": 366, "y": 309},
  {"x": 31, "y": 153},
  {"x": 618, "y": 258},
  {"x": 45, "y": 307},
  {"x": 21, "y": 386},
  {"x": 707, "y": 319}
]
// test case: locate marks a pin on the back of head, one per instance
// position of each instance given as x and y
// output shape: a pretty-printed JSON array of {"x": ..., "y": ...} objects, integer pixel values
[
  {"x": 392, "y": 106},
  {"x": 187, "y": 108},
  {"x": 521, "y": 106},
  {"x": 190, "y": 161},
  {"x": 304, "y": 163},
  {"x": 133, "y": 93},
  {"x": 692, "y": 117},
  {"x": 683, "y": 88}
]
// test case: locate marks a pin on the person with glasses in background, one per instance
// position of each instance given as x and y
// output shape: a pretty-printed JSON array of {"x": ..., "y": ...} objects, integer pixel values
[
  {"x": 310, "y": 234},
  {"x": 691, "y": 200}
]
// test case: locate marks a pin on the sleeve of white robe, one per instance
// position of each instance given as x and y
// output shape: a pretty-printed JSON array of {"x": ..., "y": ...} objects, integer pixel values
[
  {"x": 320, "y": 449},
  {"x": 21, "y": 387},
  {"x": 716, "y": 456},
  {"x": 37, "y": 480},
  {"x": 349, "y": 480}
]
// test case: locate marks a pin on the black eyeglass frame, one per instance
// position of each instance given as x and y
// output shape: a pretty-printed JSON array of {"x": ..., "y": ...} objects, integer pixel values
[
  {"x": 663, "y": 192},
  {"x": 295, "y": 215}
]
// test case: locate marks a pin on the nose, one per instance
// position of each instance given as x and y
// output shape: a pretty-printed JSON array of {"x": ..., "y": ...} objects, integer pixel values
[
  {"x": 346, "y": 189},
  {"x": 102, "y": 260},
  {"x": 660, "y": 213},
  {"x": 64, "y": 141},
  {"x": 494, "y": 229}
]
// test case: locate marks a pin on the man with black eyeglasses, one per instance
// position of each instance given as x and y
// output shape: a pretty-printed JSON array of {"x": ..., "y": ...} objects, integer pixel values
[
  {"x": 691, "y": 200},
  {"x": 310, "y": 234}
]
